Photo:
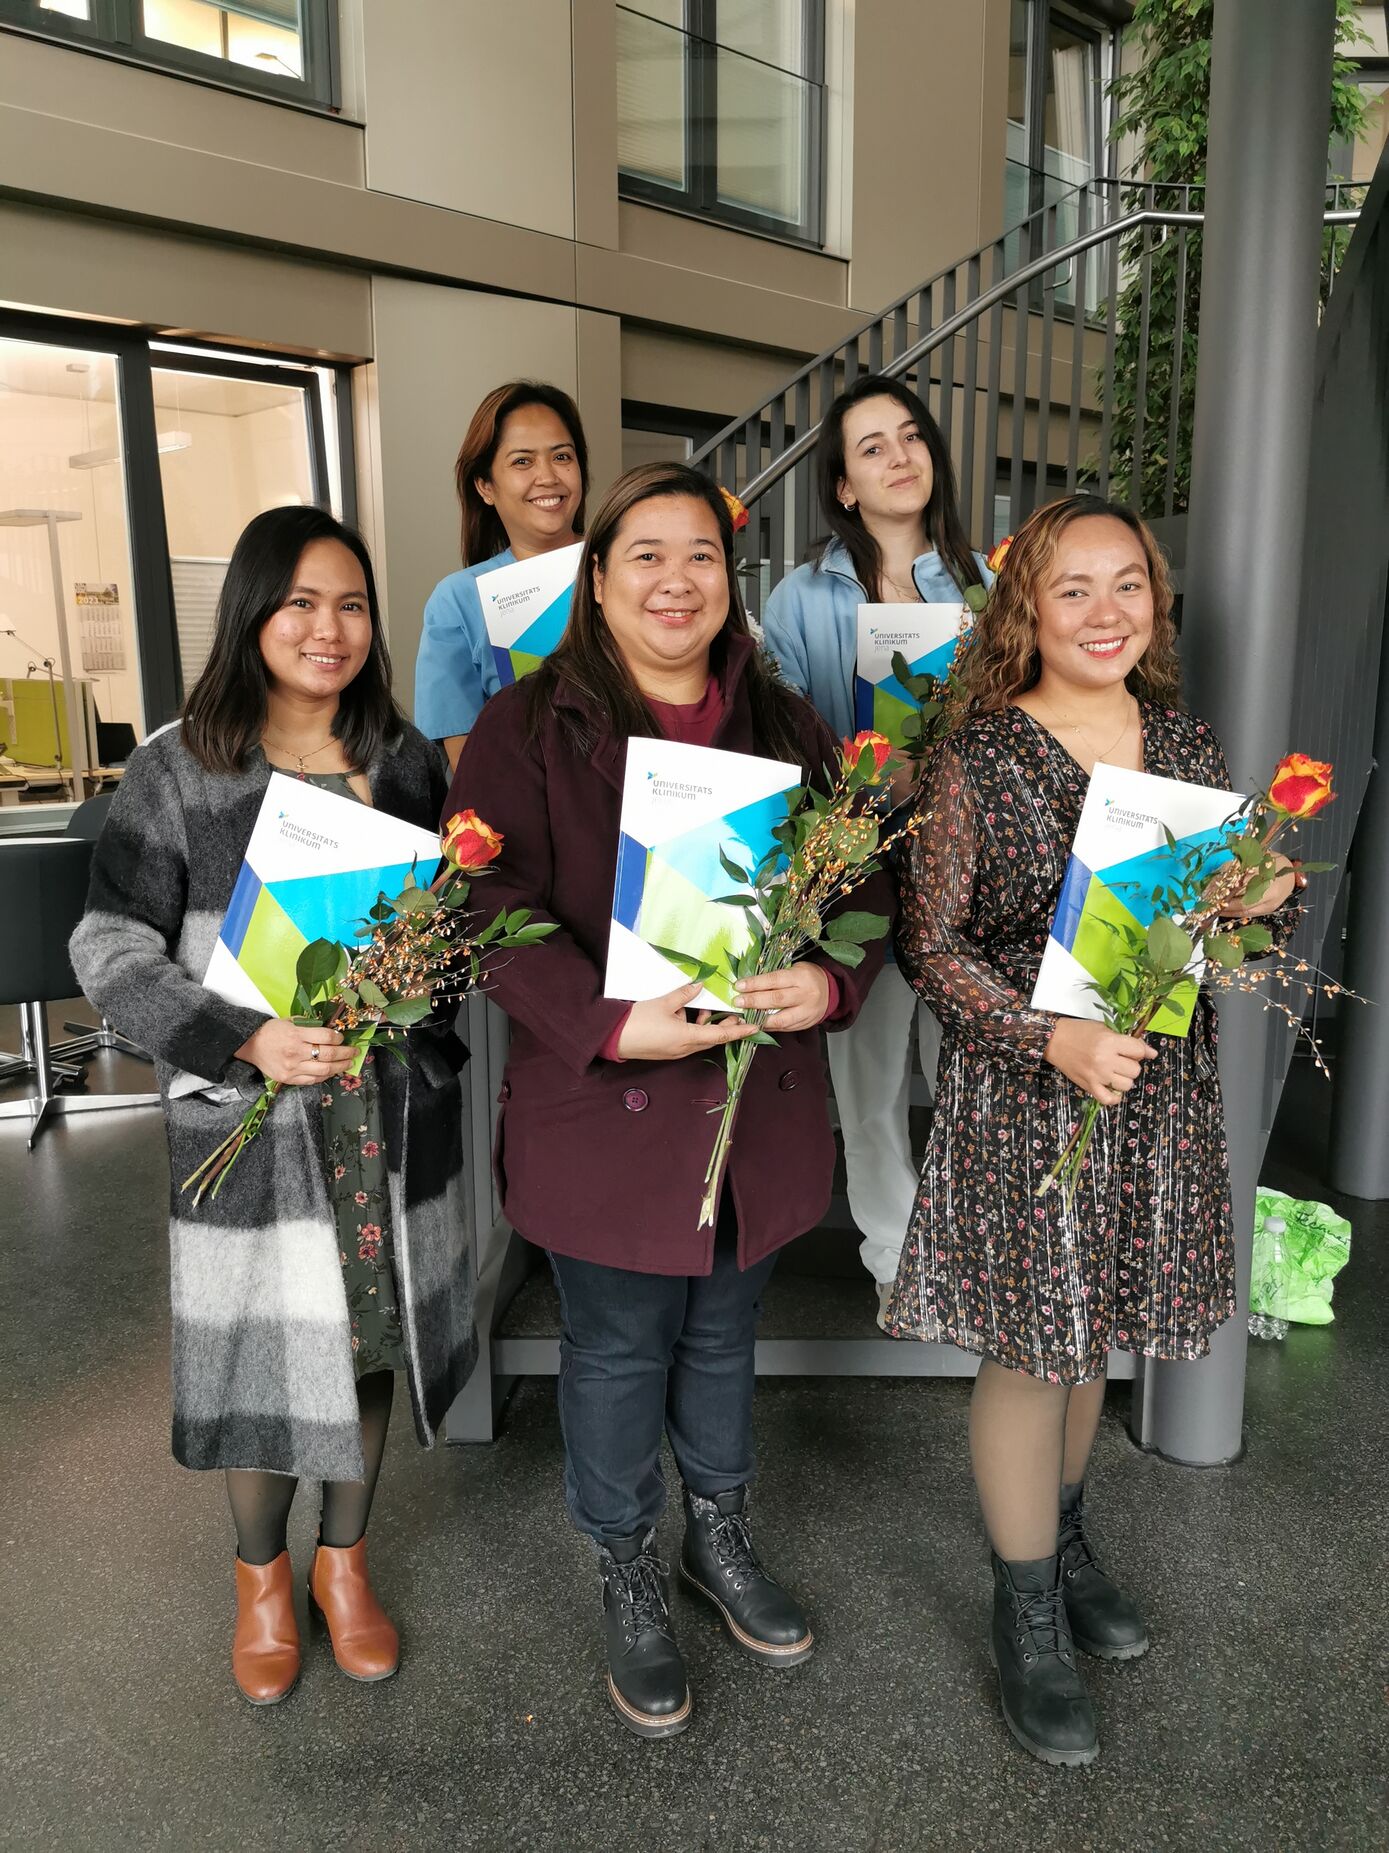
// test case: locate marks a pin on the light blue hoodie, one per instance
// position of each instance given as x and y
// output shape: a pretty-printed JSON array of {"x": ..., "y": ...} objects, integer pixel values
[{"x": 811, "y": 625}]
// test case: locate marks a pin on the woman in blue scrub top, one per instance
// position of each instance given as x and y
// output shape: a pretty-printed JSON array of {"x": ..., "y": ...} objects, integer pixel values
[
  {"x": 522, "y": 477},
  {"x": 887, "y": 490}
]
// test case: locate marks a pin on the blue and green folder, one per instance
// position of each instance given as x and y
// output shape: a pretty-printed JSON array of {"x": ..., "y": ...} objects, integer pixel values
[
  {"x": 926, "y": 635},
  {"x": 1120, "y": 855},
  {"x": 313, "y": 868},
  {"x": 525, "y": 607},
  {"x": 684, "y": 808}
]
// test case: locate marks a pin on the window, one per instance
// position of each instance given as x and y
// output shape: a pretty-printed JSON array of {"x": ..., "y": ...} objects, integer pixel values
[
  {"x": 1059, "y": 66},
  {"x": 276, "y": 48},
  {"x": 127, "y": 470},
  {"x": 720, "y": 107}
]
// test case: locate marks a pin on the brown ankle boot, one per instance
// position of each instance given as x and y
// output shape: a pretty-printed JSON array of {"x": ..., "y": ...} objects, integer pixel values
[
  {"x": 265, "y": 1647},
  {"x": 365, "y": 1643}
]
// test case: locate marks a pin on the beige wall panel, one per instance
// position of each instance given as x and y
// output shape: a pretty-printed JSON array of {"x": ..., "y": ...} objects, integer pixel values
[
  {"x": 595, "y": 122},
  {"x": 469, "y": 105},
  {"x": 638, "y": 289},
  {"x": 918, "y": 142},
  {"x": 661, "y": 367},
  {"x": 437, "y": 351},
  {"x": 106, "y": 172},
  {"x": 53, "y": 80},
  {"x": 600, "y": 398},
  {"x": 719, "y": 251},
  {"x": 78, "y": 266}
]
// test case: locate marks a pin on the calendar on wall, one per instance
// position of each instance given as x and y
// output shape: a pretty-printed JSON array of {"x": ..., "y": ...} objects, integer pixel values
[{"x": 101, "y": 627}]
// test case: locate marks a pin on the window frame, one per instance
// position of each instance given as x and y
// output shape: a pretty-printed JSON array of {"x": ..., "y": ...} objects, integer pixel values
[
  {"x": 115, "y": 30},
  {"x": 699, "y": 197},
  {"x": 139, "y": 353}
]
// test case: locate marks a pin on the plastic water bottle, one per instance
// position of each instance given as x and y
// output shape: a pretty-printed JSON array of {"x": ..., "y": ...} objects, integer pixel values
[{"x": 1266, "y": 1285}]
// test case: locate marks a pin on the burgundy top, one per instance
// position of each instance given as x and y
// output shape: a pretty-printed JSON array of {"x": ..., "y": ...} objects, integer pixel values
[{"x": 600, "y": 1160}]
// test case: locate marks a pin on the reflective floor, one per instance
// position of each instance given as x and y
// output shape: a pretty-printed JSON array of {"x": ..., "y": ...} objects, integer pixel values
[{"x": 1257, "y": 1721}]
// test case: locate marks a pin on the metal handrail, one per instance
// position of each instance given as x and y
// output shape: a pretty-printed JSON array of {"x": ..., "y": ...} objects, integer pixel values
[{"x": 954, "y": 325}]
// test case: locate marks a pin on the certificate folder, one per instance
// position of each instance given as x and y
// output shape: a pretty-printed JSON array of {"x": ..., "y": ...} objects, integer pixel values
[
  {"x": 525, "y": 607},
  {"x": 1119, "y": 857},
  {"x": 683, "y": 809},
  {"x": 926, "y": 635},
  {"x": 312, "y": 869}
]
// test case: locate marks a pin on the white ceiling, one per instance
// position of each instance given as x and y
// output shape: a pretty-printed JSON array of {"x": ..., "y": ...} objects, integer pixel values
[{"x": 70, "y": 373}]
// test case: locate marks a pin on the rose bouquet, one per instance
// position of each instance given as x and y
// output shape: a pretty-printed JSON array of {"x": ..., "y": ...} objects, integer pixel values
[
  {"x": 829, "y": 843},
  {"x": 1192, "y": 921},
  {"x": 417, "y": 948}
]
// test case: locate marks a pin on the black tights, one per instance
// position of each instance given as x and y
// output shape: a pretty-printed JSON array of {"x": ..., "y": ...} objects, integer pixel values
[{"x": 260, "y": 1502}]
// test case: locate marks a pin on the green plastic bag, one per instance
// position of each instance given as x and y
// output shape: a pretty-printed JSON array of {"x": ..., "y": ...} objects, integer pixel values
[{"x": 1315, "y": 1247}]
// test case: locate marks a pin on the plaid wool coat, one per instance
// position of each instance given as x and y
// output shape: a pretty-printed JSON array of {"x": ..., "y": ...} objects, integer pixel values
[{"x": 262, "y": 1365}]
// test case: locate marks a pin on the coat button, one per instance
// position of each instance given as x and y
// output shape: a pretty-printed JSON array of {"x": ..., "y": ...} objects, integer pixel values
[
  {"x": 505, "y": 1093},
  {"x": 787, "y": 1083},
  {"x": 636, "y": 1100}
]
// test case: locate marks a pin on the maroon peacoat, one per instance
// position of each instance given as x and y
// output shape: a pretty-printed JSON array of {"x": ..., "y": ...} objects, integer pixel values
[{"x": 605, "y": 1160}]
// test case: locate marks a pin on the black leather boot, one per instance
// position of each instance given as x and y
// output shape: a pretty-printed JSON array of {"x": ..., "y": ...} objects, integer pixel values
[
  {"x": 1045, "y": 1704},
  {"x": 718, "y": 1560},
  {"x": 1104, "y": 1621},
  {"x": 646, "y": 1676}
]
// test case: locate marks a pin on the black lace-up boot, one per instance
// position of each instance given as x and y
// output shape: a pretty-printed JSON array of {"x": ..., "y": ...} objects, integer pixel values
[
  {"x": 1104, "y": 1621},
  {"x": 646, "y": 1676},
  {"x": 718, "y": 1560},
  {"x": 1045, "y": 1704}
]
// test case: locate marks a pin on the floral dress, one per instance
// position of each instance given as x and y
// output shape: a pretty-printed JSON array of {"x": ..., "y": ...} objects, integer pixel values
[
  {"x": 355, "y": 1161},
  {"x": 1144, "y": 1258}
]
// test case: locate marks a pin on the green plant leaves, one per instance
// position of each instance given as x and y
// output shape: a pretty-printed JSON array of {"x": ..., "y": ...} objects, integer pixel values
[
  {"x": 843, "y": 951},
  {"x": 317, "y": 965},
  {"x": 1169, "y": 949},
  {"x": 856, "y": 926}
]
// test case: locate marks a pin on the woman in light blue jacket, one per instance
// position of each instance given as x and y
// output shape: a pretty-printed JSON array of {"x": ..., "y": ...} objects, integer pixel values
[
  {"x": 887, "y": 490},
  {"x": 522, "y": 475}
]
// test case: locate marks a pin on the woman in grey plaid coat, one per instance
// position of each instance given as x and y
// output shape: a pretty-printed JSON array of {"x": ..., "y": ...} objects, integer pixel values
[{"x": 337, "y": 1250}]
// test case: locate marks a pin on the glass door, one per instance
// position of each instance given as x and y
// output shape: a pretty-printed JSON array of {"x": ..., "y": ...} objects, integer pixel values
[
  {"x": 71, "y": 694},
  {"x": 234, "y": 438}
]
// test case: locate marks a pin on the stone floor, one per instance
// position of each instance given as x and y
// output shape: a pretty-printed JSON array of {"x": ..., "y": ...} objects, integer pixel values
[{"x": 1259, "y": 1719}]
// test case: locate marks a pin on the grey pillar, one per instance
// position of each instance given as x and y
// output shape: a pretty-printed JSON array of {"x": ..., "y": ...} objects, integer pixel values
[
  {"x": 1266, "y": 177},
  {"x": 1359, "y": 1149}
]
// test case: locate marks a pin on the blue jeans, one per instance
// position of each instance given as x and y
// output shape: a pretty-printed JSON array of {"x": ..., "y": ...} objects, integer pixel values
[{"x": 644, "y": 1353}]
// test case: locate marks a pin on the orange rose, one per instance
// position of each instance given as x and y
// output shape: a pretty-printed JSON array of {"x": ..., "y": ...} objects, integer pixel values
[
  {"x": 1301, "y": 786},
  {"x": 738, "y": 514},
  {"x": 469, "y": 842},
  {"x": 879, "y": 743},
  {"x": 999, "y": 554}
]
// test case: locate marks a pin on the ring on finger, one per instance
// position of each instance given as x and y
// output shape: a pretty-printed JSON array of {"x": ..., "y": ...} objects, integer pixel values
[{"x": 313, "y": 1053}]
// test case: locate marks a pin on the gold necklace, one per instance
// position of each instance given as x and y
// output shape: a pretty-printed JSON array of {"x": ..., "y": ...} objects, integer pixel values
[
  {"x": 1075, "y": 727},
  {"x": 910, "y": 593},
  {"x": 294, "y": 752}
]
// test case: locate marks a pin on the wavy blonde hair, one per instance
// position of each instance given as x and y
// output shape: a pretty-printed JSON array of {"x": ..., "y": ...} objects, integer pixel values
[{"x": 1003, "y": 661}]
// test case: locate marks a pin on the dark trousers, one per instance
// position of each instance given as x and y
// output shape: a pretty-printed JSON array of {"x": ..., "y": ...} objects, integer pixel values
[{"x": 640, "y": 1354}]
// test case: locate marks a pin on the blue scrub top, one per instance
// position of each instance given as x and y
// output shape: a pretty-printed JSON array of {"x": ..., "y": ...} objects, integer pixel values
[{"x": 455, "y": 671}]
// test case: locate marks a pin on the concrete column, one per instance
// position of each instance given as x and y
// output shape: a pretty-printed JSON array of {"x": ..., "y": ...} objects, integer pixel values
[{"x": 1266, "y": 175}]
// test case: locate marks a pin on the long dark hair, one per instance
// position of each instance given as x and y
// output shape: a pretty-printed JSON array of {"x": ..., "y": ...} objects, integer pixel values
[
  {"x": 1003, "y": 660},
  {"x": 483, "y": 534},
  {"x": 225, "y": 710},
  {"x": 588, "y": 663},
  {"x": 941, "y": 516}
]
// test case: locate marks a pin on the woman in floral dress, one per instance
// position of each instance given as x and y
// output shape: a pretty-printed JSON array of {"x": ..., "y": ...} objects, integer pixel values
[{"x": 1073, "y": 661}]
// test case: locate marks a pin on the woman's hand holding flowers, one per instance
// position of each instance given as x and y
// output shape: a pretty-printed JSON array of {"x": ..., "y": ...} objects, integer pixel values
[
  {"x": 659, "y": 1031},
  {"x": 283, "y": 1052},
  {"x": 1100, "y": 1061},
  {"x": 796, "y": 998}
]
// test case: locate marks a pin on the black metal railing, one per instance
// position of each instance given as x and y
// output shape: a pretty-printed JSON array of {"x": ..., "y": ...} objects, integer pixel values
[{"x": 1020, "y": 350}]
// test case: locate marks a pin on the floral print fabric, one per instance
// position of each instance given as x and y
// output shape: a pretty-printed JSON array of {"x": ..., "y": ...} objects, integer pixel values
[
  {"x": 1144, "y": 1259},
  {"x": 359, "y": 1193}
]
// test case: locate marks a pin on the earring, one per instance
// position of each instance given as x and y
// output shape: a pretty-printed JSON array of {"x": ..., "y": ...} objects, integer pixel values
[{"x": 848, "y": 507}]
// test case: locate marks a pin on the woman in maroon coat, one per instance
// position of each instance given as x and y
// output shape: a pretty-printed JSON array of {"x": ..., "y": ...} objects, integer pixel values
[{"x": 606, "y": 1123}]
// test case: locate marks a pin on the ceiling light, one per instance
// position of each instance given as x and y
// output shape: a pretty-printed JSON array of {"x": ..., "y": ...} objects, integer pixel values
[{"x": 108, "y": 453}]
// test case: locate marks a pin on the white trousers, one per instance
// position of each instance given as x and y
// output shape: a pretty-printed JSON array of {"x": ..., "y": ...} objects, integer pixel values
[{"x": 871, "y": 1067}]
